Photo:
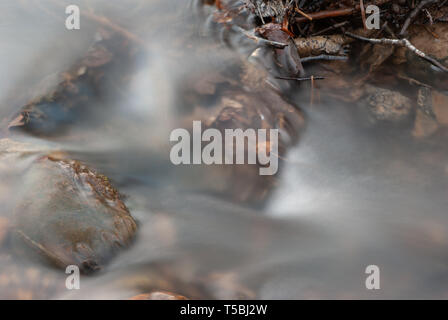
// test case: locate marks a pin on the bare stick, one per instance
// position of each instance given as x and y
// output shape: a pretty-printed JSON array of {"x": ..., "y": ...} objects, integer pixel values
[
  {"x": 363, "y": 13},
  {"x": 108, "y": 23},
  {"x": 327, "y": 14},
  {"x": 259, "y": 13},
  {"x": 333, "y": 27},
  {"x": 258, "y": 40},
  {"x": 324, "y": 14},
  {"x": 414, "y": 13},
  {"x": 323, "y": 57},
  {"x": 402, "y": 43},
  {"x": 304, "y": 14}
]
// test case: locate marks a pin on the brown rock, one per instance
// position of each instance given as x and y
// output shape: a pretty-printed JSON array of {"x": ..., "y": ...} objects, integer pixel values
[
  {"x": 434, "y": 46},
  {"x": 424, "y": 125},
  {"x": 440, "y": 107},
  {"x": 71, "y": 215},
  {"x": 159, "y": 295},
  {"x": 387, "y": 105}
]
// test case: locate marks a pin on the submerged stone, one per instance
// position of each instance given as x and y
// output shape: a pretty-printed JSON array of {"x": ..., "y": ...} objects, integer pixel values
[
  {"x": 69, "y": 214},
  {"x": 384, "y": 105}
]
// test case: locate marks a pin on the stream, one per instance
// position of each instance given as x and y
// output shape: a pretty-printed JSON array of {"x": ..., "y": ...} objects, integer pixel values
[{"x": 348, "y": 195}]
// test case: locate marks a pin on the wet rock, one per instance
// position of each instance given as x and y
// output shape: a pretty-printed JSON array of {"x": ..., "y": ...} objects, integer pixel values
[
  {"x": 69, "y": 215},
  {"x": 384, "y": 105},
  {"x": 235, "y": 23},
  {"x": 440, "y": 107},
  {"x": 80, "y": 90},
  {"x": 286, "y": 59},
  {"x": 432, "y": 112},
  {"x": 434, "y": 44},
  {"x": 331, "y": 45},
  {"x": 247, "y": 100},
  {"x": 424, "y": 125},
  {"x": 159, "y": 295},
  {"x": 271, "y": 8}
]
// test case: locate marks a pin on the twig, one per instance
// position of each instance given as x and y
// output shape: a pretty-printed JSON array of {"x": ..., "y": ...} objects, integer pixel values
[
  {"x": 402, "y": 43},
  {"x": 435, "y": 35},
  {"x": 413, "y": 81},
  {"x": 337, "y": 13},
  {"x": 333, "y": 27},
  {"x": 413, "y": 14},
  {"x": 323, "y": 57},
  {"x": 312, "y": 91},
  {"x": 258, "y": 40},
  {"x": 304, "y": 14},
  {"x": 363, "y": 14},
  {"x": 428, "y": 14},
  {"x": 327, "y": 14},
  {"x": 108, "y": 23},
  {"x": 260, "y": 14}
]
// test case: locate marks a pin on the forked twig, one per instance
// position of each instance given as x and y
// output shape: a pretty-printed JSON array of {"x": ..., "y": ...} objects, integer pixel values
[
  {"x": 401, "y": 43},
  {"x": 414, "y": 13}
]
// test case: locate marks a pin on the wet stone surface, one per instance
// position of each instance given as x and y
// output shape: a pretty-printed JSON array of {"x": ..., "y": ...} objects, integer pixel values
[
  {"x": 387, "y": 105},
  {"x": 81, "y": 89},
  {"x": 67, "y": 213}
]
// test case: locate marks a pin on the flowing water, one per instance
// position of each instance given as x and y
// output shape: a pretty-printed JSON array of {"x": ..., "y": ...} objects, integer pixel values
[{"x": 348, "y": 195}]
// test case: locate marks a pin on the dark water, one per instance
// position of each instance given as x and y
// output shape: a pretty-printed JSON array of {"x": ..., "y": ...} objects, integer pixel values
[{"x": 349, "y": 196}]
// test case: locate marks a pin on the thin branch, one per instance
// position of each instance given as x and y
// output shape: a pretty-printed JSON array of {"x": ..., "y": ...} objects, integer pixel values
[
  {"x": 414, "y": 13},
  {"x": 258, "y": 40},
  {"x": 333, "y": 27},
  {"x": 323, "y": 57},
  {"x": 260, "y": 14},
  {"x": 110, "y": 24},
  {"x": 327, "y": 14},
  {"x": 324, "y": 14},
  {"x": 304, "y": 14},
  {"x": 401, "y": 43},
  {"x": 363, "y": 14}
]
